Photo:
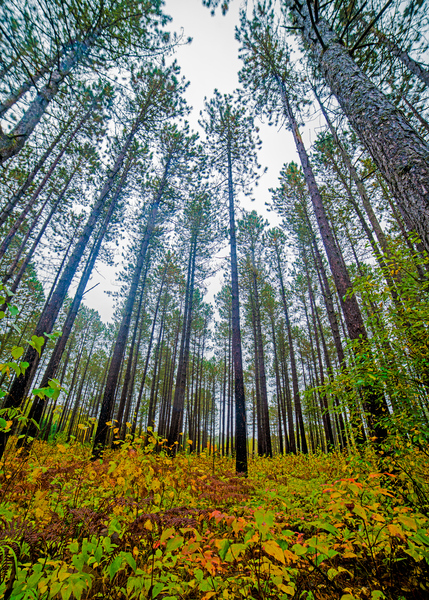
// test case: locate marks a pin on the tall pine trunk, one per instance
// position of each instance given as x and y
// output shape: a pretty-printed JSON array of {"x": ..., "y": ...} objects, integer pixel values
[
  {"x": 240, "y": 403},
  {"x": 397, "y": 149},
  {"x": 374, "y": 404},
  {"x": 121, "y": 340}
]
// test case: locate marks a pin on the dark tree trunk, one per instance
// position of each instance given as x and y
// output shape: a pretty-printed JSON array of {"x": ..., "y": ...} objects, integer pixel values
[
  {"x": 10, "y": 205},
  {"x": 326, "y": 417},
  {"x": 143, "y": 381},
  {"x": 295, "y": 385},
  {"x": 30, "y": 204},
  {"x": 240, "y": 403},
  {"x": 36, "y": 242},
  {"x": 48, "y": 317},
  {"x": 399, "y": 152},
  {"x": 375, "y": 406},
  {"x": 121, "y": 407},
  {"x": 182, "y": 368},
  {"x": 38, "y": 405},
  {"x": 121, "y": 340}
]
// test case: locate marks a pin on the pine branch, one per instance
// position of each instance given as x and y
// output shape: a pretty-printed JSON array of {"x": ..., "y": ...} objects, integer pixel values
[{"x": 370, "y": 26}]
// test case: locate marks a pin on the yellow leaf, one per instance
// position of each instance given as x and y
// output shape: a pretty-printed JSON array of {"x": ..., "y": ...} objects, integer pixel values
[
  {"x": 395, "y": 531},
  {"x": 287, "y": 589},
  {"x": 408, "y": 522},
  {"x": 360, "y": 511},
  {"x": 167, "y": 533},
  {"x": 378, "y": 518},
  {"x": 272, "y": 548},
  {"x": 43, "y": 587},
  {"x": 120, "y": 481},
  {"x": 148, "y": 525}
]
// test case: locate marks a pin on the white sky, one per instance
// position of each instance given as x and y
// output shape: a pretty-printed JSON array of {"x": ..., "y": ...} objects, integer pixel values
[{"x": 209, "y": 62}]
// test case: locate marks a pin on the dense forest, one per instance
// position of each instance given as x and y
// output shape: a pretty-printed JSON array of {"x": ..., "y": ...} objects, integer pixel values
[{"x": 272, "y": 443}]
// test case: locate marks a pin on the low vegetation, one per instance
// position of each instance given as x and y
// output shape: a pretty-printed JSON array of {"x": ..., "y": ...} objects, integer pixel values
[{"x": 141, "y": 524}]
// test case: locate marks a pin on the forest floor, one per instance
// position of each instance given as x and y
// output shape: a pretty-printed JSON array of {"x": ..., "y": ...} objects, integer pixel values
[{"x": 139, "y": 524}]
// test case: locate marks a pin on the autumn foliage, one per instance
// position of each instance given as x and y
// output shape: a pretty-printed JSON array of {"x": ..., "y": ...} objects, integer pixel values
[{"x": 140, "y": 524}]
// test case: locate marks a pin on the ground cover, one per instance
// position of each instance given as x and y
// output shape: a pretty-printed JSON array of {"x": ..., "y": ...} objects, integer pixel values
[{"x": 139, "y": 524}]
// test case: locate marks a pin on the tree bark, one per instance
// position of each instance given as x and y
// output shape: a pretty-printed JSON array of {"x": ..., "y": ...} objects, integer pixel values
[
  {"x": 13, "y": 142},
  {"x": 374, "y": 400},
  {"x": 121, "y": 340},
  {"x": 240, "y": 403},
  {"x": 399, "y": 152}
]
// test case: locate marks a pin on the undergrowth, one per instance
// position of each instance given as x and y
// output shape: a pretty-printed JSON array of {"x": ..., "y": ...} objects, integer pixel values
[{"x": 140, "y": 524}]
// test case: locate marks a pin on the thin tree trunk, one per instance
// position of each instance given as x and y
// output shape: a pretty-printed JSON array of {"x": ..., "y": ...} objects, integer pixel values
[
  {"x": 5, "y": 243},
  {"x": 121, "y": 340},
  {"x": 179, "y": 392},
  {"x": 374, "y": 400},
  {"x": 240, "y": 403},
  {"x": 39, "y": 236},
  {"x": 48, "y": 317},
  {"x": 10, "y": 205}
]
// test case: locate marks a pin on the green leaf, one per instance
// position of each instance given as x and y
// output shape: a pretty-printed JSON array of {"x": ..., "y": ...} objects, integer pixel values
[
  {"x": 224, "y": 548},
  {"x": 37, "y": 342},
  {"x": 14, "y": 310},
  {"x": 174, "y": 543},
  {"x": 299, "y": 550},
  {"x": 329, "y": 527},
  {"x": 157, "y": 588},
  {"x": 130, "y": 560},
  {"x": 115, "y": 566},
  {"x": 17, "y": 352}
]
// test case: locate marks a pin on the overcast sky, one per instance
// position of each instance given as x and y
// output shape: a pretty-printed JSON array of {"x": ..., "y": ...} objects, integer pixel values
[{"x": 209, "y": 62}]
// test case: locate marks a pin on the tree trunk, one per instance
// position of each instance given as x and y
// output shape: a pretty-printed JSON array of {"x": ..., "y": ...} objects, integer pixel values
[
  {"x": 39, "y": 236},
  {"x": 295, "y": 386},
  {"x": 374, "y": 400},
  {"x": 13, "y": 142},
  {"x": 121, "y": 340},
  {"x": 48, "y": 317},
  {"x": 240, "y": 403},
  {"x": 399, "y": 152},
  {"x": 35, "y": 195},
  {"x": 10, "y": 205},
  {"x": 38, "y": 405},
  {"x": 15, "y": 96},
  {"x": 182, "y": 368},
  {"x": 136, "y": 410},
  {"x": 120, "y": 413}
]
